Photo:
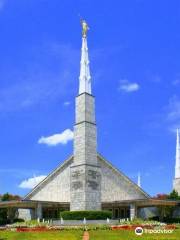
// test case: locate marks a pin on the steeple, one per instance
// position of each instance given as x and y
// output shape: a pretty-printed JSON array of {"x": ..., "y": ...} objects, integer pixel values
[
  {"x": 85, "y": 77},
  {"x": 85, "y": 172},
  {"x": 139, "y": 180},
  {"x": 177, "y": 167}
]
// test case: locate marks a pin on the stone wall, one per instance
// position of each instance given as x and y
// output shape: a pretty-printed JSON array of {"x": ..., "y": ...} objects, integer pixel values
[
  {"x": 85, "y": 108},
  {"x": 56, "y": 188},
  {"x": 85, "y": 187},
  {"x": 26, "y": 214},
  {"x": 85, "y": 173},
  {"x": 116, "y": 186},
  {"x": 85, "y": 144},
  {"x": 85, "y": 136},
  {"x": 176, "y": 185}
]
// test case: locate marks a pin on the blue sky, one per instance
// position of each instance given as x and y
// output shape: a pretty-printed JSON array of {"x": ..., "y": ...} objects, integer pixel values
[{"x": 135, "y": 66}]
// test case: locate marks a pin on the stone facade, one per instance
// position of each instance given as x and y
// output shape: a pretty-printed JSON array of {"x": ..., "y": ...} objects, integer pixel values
[
  {"x": 85, "y": 108},
  {"x": 85, "y": 173},
  {"x": 176, "y": 185},
  {"x": 56, "y": 187},
  {"x": 103, "y": 182},
  {"x": 176, "y": 181},
  {"x": 85, "y": 139},
  {"x": 85, "y": 187},
  {"x": 85, "y": 143},
  {"x": 26, "y": 214},
  {"x": 115, "y": 186}
]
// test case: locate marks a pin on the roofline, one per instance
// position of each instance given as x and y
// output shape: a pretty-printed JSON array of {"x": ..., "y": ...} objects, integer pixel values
[
  {"x": 48, "y": 176},
  {"x": 31, "y": 201},
  {"x": 120, "y": 201},
  {"x": 127, "y": 178},
  {"x": 142, "y": 200},
  {"x": 139, "y": 202},
  {"x": 149, "y": 202},
  {"x": 69, "y": 159},
  {"x": 28, "y": 204}
]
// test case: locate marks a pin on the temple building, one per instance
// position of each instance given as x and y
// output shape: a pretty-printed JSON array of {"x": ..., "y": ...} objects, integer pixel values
[
  {"x": 86, "y": 180},
  {"x": 176, "y": 183}
]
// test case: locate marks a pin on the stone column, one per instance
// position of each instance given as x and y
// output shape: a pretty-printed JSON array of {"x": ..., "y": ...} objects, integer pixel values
[
  {"x": 85, "y": 172},
  {"x": 39, "y": 211},
  {"x": 133, "y": 211},
  {"x": 176, "y": 182},
  {"x": 26, "y": 214}
]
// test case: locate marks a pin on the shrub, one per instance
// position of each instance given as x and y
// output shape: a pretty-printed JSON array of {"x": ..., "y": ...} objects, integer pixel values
[
  {"x": 17, "y": 220},
  {"x": 89, "y": 215},
  {"x": 2, "y": 221},
  {"x": 3, "y": 216},
  {"x": 171, "y": 220},
  {"x": 155, "y": 218}
]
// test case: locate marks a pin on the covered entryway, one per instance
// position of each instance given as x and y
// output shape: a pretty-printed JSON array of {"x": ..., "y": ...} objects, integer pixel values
[
  {"x": 34, "y": 209},
  {"x": 131, "y": 208}
]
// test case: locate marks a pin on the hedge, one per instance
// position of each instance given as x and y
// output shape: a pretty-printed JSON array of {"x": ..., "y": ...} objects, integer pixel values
[
  {"x": 2, "y": 221},
  {"x": 89, "y": 215},
  {"x": 171, "y": 220},
  {"x": 166, "y": 219},
  {"x": 18, "y": 220}
]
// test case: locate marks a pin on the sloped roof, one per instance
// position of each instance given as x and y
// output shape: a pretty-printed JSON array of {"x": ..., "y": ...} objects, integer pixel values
[
  {"x": 101, "y": 158},
  {"x": 51, "y": 175},
  {"x": 68, "y": 161}
]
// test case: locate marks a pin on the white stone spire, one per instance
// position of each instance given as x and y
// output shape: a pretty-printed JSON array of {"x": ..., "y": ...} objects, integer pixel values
[
  {"x": 139, "y": 180},
  {"x": 84, "y": 78},
  {"x": 85, "y": 180},
  {"x": 177, "y": 167}
]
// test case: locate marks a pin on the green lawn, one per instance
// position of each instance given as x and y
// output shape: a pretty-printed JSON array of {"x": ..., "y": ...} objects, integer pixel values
[
  {"x": 94, "y": 235},
  {"x": 56, "y": 235},
  {"x": 130, "y": 235}
]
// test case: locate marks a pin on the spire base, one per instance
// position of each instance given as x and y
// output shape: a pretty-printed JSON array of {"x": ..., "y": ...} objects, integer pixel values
[{"x": 176, "y": 185}]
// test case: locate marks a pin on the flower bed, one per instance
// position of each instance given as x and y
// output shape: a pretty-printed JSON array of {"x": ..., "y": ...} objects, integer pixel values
[
  {"x": 3, "y": 228},
  {"x": 125, "y": 227},
  {"x": 32, "y": 229},
  {"x": 170, "y": 227},
  {"x": 145, "y": 226}
]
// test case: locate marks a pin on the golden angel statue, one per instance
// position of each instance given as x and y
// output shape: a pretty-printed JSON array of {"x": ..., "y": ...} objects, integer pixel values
[{"x": 85, "y": 28}]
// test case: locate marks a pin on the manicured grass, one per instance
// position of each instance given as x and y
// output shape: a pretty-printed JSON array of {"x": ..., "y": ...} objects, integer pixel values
[
  {"x": 56, "y": 235},
  {"x": 94, "y": 235},
  {"x": 130, "y": 235}
]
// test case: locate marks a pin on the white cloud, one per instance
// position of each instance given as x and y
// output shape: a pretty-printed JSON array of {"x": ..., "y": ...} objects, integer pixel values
[
  {"x": 127, "y": 86},
  {"x": 31, "y": 182},
  {"x": 67, "y": 103},
  {"x": 59, "y": 138}
]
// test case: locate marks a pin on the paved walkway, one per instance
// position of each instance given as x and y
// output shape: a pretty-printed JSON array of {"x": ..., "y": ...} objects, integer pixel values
[{"x": 86, "y": 236}]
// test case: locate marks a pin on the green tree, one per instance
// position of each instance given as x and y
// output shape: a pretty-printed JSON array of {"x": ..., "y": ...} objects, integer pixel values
[
  {"x": 9, "y": 197},
  {"x": 3, "y": 212},
  {"x": 167, "y": 211},
  {"x": 174, "y": 195}
]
